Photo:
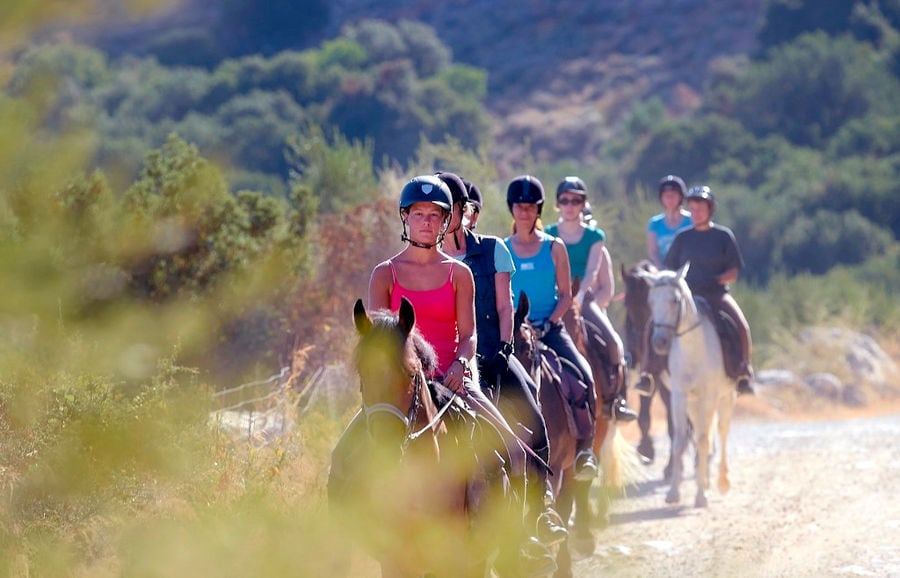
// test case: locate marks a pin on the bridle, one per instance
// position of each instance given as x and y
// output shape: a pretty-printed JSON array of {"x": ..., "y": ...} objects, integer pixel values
[
  {"x": 674, "y": 327},
  {"x": 409, "y": 418}
]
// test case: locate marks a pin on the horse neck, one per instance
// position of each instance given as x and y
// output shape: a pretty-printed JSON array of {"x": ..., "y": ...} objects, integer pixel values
[
  {"x": 575, "y": 326},
  {"x": 690, "y": 326}
]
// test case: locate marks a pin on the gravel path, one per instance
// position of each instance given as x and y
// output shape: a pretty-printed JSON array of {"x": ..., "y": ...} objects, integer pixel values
[{"x": 807, "y": 499}]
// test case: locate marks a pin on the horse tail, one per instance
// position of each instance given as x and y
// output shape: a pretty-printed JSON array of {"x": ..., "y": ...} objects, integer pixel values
[{"x": 619, "y": 460}]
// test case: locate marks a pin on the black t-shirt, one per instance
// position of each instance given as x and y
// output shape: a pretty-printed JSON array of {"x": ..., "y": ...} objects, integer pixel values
[{"x": 711, "y": 253}]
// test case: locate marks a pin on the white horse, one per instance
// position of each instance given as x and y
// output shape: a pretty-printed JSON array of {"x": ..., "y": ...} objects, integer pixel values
[{"x": 701, "y": 391}]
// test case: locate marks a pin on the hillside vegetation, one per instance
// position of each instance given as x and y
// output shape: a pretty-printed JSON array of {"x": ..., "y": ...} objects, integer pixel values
[{"x": 177, "y": 221}]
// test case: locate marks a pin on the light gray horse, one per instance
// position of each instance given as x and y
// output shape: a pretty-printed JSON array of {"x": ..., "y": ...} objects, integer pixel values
[{"x": 701, "y": 391}]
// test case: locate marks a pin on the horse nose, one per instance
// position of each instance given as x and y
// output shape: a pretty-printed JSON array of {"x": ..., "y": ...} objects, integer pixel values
[{"x": 660, "y": 342}]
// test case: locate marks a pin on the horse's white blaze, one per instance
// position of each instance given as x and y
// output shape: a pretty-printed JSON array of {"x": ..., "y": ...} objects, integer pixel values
[{"x": 702, "y": 394}]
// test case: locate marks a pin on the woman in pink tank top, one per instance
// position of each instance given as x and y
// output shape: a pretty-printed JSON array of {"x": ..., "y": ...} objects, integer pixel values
[{"x": 440, "y": 288}]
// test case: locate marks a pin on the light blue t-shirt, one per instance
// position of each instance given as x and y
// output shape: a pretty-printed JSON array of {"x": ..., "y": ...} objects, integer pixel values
[
  {"x": 536, "y": 277},
  {"x": 664, "y": 234},
  {"x": 503, "y": 261}
]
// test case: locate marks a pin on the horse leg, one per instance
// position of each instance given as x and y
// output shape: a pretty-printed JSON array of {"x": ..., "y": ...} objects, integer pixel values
[
  {"x": 703, "y": 444},
  {"x": 582, "y": 538},
  {"x": 703, "y": 417},
  {"x": 726, "y": 407},
  {"x": 680, "y": 420},
  {"x": 645, "y": 446},
  {"x": 564, "y": 504},
  {"x": 666, "y": 396}
]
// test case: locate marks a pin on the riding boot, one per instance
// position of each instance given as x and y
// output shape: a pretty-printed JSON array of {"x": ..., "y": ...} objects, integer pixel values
[
  {"x": 548, "y": 525},
  {"x": 744, "y": 380},
  {"x": 614, "y": 401}
]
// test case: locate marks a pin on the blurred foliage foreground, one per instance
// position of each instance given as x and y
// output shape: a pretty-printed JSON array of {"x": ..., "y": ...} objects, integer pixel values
[
  {"x": 118, "y": 313},
  {"x": 121, "y": 312}
]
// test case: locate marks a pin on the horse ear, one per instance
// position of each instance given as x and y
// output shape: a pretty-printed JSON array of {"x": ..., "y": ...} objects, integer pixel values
[
  {"x": 682, "y": 272},
  {"x": 522, "y": 309},
  {"x": 407, "y": 316},
  {"x": 576, "y": 286},
  {"x": 623, "y": 271},
  {"x": 361, "y": 318}
]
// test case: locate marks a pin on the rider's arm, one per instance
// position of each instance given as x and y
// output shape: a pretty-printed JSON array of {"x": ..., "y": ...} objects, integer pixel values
[
  {"x": 464, "y": 285},
  {"x": 504, "y": 305},
  {"x": 380, "y": 284},
  {"x": 653, "y": 249},
  {"x": 729, "y": 276},
  {"x": 563, "y": 279},
  {"x": 600, "y": 276}
]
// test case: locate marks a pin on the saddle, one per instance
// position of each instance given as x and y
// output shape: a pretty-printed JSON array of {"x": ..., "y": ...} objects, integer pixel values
[
  {"x": 729, "y": 336},
  {"x": 569, "y": 382}
]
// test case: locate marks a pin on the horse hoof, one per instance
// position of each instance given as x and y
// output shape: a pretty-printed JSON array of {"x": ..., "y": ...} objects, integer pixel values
[
  {"x": 646, "y": 451},
  {"x": 724, "y": 486},
  {"x": 673, "y": 497},
  {"x": 701, "y": 501},
  {"x": 582, "y": 543}
]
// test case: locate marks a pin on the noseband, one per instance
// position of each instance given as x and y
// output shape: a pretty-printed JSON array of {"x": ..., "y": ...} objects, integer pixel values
[{"x": 408, "y": 418}]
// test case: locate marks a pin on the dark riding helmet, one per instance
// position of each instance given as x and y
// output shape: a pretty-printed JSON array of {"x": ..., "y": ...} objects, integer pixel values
[
  {"x": 571, "y": 185},
  {"x": 425, "y": 189},
  {"x": 703, "y": 193},
  {"x": 525, "y": 189},
  {"x": 673, "y": 183},
  {"x": 458, "y": 192},
  {"x": 474, "y": 194}
]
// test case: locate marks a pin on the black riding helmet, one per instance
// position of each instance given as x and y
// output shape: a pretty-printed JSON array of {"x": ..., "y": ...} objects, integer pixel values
[
  {"x": 703, "y": 193},
  {"x": 525, "y": 189},
  {"x": 571, "y": 185},
  {"x": 475, "y": 198},
  {"x": 458, "y": 192},
  {"x": 672, "y": 182},
  {"x": 425, "y": 189}
]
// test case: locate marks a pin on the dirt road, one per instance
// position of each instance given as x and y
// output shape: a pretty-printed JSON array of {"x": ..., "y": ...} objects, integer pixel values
[{"x": 817, "y": 498}]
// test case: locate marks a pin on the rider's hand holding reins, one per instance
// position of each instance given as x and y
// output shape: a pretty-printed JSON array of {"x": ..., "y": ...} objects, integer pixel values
[{"x": 454, "y": 380}]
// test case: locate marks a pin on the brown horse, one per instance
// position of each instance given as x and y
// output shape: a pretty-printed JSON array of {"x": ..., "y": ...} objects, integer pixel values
[
  {"x": 609, "y": 445},
  {"x": 637, "y": 318},
  {"x": 562, "y": 434},
  {"x": 407, "y": 482}
]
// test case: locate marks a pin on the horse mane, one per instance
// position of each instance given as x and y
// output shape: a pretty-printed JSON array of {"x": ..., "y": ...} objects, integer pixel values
[
  {"x": 644, "y": 265},
  {"x": 420, "y": 355}
]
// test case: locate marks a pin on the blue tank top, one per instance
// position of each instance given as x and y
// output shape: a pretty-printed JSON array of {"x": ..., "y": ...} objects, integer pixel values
[{"x": 536, "y": 277}]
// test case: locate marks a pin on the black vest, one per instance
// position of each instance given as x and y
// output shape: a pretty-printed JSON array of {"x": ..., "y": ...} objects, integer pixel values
[{"x": 480, "y": 259}]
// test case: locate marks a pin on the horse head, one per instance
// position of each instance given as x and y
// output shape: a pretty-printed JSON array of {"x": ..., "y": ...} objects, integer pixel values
[
  {"x": 637, "y": 280},
  {"x": 392, "y": 360},
  {"x": 668, "y": 298}
]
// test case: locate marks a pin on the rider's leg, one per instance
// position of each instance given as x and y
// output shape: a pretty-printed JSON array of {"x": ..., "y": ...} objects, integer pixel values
[
  {"x": 615, "y": 401},
  {"x": 516, "y": 391},
  {"x": 745, "y": 372},
  {"x": 557, "y": 339}
]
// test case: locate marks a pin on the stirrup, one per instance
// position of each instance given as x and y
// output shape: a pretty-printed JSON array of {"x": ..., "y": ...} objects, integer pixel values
[
  {"x": 744, "y": 387},
  {"x": 586, "y": 466}
]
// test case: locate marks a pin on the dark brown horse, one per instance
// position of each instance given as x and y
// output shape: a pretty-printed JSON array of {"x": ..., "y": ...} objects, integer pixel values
[
  {"x": 637, "y": 318},
  {"x": 407, "y": 482},
  {"x": 562, "y": 434}
]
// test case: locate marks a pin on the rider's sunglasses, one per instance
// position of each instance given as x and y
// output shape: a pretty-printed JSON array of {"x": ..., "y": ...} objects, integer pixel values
[{"x": 570, "y": 201}]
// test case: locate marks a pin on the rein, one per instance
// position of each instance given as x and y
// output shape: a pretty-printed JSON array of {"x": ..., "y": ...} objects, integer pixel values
[{"x": 681, "y": 308}]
